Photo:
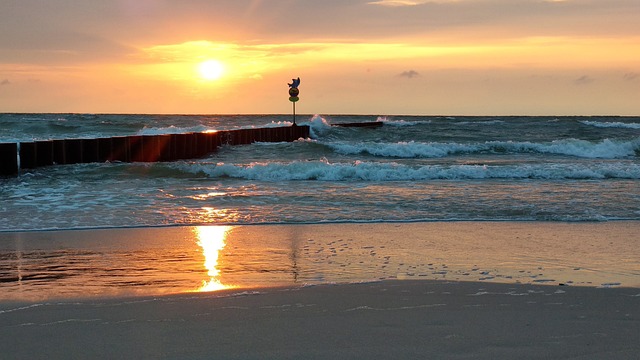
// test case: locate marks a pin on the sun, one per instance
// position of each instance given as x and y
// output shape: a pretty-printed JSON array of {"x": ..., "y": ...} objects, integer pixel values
[{"x": 211, "y": 70}]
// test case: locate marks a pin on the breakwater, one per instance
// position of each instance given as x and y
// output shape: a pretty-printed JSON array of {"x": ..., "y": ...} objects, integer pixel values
[{"x": 136, "y": 148}]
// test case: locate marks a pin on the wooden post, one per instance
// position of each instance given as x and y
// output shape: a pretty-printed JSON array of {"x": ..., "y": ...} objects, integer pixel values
[
  {"x": 28, "y": 155},
  {"x": 44, "y": 153},
  {"x": 119, "y": 149},
  {"x": 74, "y": 152},
  {"x": 8, "y": 159},
  {"x": 89, "y": 150}
]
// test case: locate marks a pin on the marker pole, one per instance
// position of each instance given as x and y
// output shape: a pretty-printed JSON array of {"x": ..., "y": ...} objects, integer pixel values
[{"x": 293, "y": 96}]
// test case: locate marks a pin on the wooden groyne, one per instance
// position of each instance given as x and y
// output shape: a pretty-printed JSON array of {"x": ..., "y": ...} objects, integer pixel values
[
  {"x": 368, "y": 124},
  {"x": 136, "y": 148}
]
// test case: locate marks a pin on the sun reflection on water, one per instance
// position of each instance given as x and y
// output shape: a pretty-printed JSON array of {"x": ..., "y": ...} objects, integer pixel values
[
  {"x": 212, "y": 239},
  {"x": 207, "y": 195}
]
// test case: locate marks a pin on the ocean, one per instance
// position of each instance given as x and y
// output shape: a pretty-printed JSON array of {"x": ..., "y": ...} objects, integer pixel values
[
  {"x": 549, "y": 200},
  {"x": 413, "y": 168}
]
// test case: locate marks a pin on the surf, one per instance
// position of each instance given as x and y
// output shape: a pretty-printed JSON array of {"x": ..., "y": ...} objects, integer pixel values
[
  {"x": 324, "y": 170},
  {"x": 605, "y": 149}
]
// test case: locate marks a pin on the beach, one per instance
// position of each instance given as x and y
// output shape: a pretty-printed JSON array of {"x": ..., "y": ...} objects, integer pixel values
[
  {"x": 45, "y": 265},
  {"x": 452, "y": 237},
  {"x": 382, "y": 320},
  {"x": 454, "y": 290}
]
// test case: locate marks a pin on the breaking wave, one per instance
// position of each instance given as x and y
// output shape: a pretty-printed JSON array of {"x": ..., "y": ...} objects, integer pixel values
[
  {"x": 400, "y": 123},
  {"x": 171, "y": 130},
  {"x": 323, "y": 170},
  {"x": 605, "y": 149},
  {"x": 622, "y": 125}
]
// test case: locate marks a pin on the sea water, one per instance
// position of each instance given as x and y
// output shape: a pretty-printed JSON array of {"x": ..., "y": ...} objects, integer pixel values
[
  {"x": 413, "y": 168},
  {"x": 516, "y": 199}
]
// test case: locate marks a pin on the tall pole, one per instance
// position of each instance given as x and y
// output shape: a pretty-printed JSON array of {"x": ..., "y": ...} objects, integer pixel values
[{"x": 293, "y": 96}]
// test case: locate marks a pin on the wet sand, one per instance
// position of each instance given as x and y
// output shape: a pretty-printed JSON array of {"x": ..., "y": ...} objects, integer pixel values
[
  {"x": 464, "y": 290},
  {"x": 381, "y": 320},
  {"x": 38, "y": 266}
]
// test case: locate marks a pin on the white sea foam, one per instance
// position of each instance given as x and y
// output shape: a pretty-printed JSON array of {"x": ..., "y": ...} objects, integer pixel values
[
  {"x": 171, "y": 130},
  {"x": 373, "y": 171},
  {"x": 202, "y": 128},
  {"x": 318, "y": 126},
  {"x": 400, "y": 123},
  {"x": 486, "y": 122},
  {"x": 410, "y": 149},
  {"x": 271, "y": 124},
  {"x": 601, "y": 124},
  {"x": 605, "y": 149}
]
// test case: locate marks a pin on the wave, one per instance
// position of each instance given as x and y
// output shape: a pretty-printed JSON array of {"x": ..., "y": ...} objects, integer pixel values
[
  {"x": 400, "y": 123},
  {"x": 318, "y": 126},
  {"x": 485, "y": 122},
  {"x": 605, "y": 149},
  {"x": 323, "y": 170},
  {"x": 171, "y": 130},
  {"x": 600, "y": 124}
]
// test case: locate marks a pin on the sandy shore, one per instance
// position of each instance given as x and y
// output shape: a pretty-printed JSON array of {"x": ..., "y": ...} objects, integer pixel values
[
  {"x": 40, "y": 266},
  {"x": 467, "y": 290},
  {"x": 380, "y": 320}
]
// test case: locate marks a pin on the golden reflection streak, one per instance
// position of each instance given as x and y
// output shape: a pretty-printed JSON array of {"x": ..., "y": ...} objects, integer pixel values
[{"x": 212, "y": 239}]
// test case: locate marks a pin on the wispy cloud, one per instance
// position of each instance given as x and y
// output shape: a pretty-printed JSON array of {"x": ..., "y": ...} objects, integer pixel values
[
  {"x": 398, "y": 3},
  {"x": 394, "y": 3},
  {"x": 409, "y": 74},
  {"x": 631, "y": 76},
  {"x": 583, "y": 80},
  {"x": 5, "y": 82}
]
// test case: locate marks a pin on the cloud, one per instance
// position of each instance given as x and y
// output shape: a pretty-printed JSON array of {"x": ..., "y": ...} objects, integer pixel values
[
  {"x": 630, "y": 76},
  {"x": 398, "y": 3},
  {"x": 394, "y": 3},
  {"x": 583, "y": 80},
  {"x": 409, "y": 74},
  {"x": 5, "y": 82}
]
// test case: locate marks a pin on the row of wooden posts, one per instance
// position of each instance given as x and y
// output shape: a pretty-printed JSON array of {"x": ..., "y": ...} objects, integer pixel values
[{"x": 137, "y": 148}]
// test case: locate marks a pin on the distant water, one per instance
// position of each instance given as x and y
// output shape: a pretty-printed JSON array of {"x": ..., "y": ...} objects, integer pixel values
[{"x": 413, "y": 168}]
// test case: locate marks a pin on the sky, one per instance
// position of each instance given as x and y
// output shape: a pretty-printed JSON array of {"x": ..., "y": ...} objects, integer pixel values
[{"x": 378, "y": 57}]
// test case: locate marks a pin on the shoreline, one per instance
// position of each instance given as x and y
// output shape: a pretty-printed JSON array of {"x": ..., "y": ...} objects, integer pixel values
[
  {"x": 180, "y": 259},
  {"x": 388, "y": 320},
  {"x": 345, "y": 222}
]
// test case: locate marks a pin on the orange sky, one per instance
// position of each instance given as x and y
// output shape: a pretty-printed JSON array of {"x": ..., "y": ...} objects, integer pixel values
[{"x": 439, "y": 57}]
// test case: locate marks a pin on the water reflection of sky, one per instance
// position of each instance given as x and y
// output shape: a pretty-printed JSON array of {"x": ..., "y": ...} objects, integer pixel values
[{"x": 152, "y": 261}]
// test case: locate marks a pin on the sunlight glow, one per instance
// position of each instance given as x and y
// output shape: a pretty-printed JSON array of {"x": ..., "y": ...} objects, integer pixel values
[
  {"x": 212, "y": 239},
  {"x": 211, "y": 70},
  {"x": 168, "y": 76}
]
